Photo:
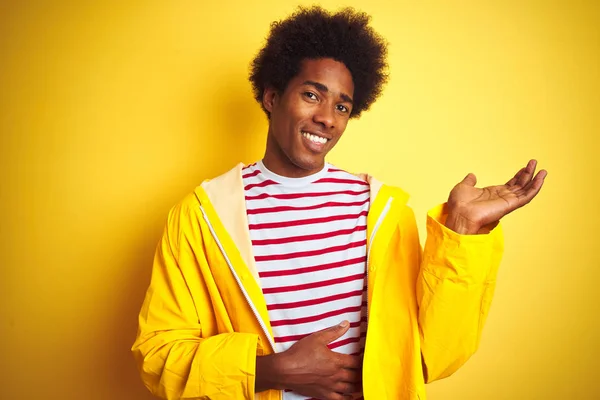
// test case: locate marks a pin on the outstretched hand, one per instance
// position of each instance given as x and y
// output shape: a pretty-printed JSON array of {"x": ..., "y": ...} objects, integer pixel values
[{"x": 470, "y": 209}]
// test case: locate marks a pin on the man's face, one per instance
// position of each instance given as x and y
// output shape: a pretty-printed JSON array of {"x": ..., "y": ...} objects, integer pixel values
[{"x": 308, "y": 118}]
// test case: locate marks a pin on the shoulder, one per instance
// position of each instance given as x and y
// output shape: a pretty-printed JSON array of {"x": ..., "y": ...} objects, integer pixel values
[
  {"x": 220, "y": 185},
  {"x": 181, "y": 213}
]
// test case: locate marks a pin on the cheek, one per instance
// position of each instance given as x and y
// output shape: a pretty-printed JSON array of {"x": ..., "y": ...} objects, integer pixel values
[
  {"x": 300, "y": 111},
  {"x": 342, "y": 127}
]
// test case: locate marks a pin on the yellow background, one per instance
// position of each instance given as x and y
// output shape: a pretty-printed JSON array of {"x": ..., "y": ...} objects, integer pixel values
[{"x": 110, "y": 113}]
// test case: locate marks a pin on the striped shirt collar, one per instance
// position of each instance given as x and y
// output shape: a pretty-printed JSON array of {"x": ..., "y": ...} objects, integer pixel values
[{"x": 292, "y": 182}]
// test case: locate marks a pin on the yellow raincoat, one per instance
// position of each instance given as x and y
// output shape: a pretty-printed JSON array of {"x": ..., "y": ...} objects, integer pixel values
[{"x": 204, "y": 319}]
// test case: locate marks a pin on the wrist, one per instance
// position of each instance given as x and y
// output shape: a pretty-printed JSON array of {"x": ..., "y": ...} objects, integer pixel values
[
  {"x": 269, "y": 373},
  {"x": 456, "y": 222}
]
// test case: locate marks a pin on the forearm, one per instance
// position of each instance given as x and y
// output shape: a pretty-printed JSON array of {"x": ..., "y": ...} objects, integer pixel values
[
  {"x": 178, "y": 364},
  {"x": 450, "y": 323},
  {"x": 454, "y": 290}
]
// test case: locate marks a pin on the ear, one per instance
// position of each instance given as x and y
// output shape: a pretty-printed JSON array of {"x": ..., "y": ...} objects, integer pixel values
[{"x": 269, "y": 98}]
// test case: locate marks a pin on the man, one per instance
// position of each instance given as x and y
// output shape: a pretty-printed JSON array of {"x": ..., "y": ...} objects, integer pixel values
[{"x": 290, "y": 278}]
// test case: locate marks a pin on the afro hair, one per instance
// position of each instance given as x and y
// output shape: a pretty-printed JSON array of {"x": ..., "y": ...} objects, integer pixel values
[{"x": 313, "y": 33}]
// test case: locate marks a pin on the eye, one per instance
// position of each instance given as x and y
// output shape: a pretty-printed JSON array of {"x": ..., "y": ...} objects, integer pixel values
[
  {"x": 310, "y": 95},
  {"x": 342, "y": 108}
]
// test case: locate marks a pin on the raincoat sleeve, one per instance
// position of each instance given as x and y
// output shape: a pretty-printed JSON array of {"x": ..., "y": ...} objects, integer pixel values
[
  {"x": 455, "y": 285},
  {"x": 174, "y": 359}
]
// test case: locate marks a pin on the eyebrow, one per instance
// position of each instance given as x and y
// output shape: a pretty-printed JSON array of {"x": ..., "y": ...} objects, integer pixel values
[{"x": 324, "y": 88}]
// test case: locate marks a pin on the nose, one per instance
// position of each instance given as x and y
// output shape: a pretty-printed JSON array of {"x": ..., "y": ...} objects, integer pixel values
[{"x": 324, "y": 116}]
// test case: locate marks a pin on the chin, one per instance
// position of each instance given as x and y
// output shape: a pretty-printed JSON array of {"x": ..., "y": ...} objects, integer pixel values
[{"x": 309, "y": 163}]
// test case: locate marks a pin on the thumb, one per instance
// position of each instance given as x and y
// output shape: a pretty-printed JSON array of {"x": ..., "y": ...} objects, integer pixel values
[
  {"x": 470, "y": 179},
  {"x": 334, "y": 332}
]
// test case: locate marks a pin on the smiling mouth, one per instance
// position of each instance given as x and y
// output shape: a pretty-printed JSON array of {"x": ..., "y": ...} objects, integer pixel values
[{"x": 314, "y": 138}]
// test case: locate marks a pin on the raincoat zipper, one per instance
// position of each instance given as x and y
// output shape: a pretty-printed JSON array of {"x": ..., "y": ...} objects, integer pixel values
[
  {"x": 372, "y": 237},
  {"x": 239, "y": 282}
]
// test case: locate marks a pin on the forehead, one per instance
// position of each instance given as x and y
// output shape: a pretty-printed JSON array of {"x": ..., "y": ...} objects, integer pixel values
[{"x": 328, "y": 72}]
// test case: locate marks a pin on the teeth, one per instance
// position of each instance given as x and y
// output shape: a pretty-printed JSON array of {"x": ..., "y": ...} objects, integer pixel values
[{"x": 314, "y": 138}]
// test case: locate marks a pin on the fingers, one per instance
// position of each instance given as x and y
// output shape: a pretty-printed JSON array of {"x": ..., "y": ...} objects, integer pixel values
[
  {"x": 346, "y": 388},
  {"x": 349, "y": 381},
  {"x": 350, "y": 362},
  {"x": 339, "y": 396},
  {"x": 332, "y": 333},
  {"x": 522, "y": 179},
  {"x": 470, "y": 179},
  {"x": 538, "y": 181},
  {"x": 533, "y": 188},
  {"x": 515, "y": 178},
  {"x": 525, "y": 176},
  {"x": 353, "y": 376}
]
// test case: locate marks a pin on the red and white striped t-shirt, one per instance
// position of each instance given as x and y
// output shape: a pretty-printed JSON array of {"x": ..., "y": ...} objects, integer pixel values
[{"x": 309, "y": 240}]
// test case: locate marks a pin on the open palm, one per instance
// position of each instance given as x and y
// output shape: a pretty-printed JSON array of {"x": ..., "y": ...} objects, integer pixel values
[{"x": 481, "y": 206}]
